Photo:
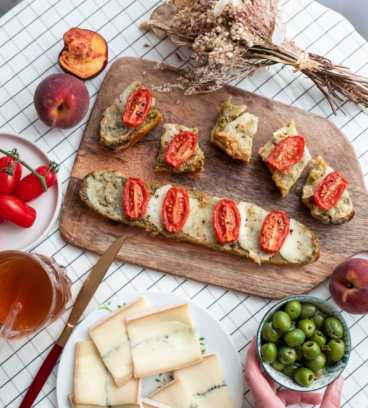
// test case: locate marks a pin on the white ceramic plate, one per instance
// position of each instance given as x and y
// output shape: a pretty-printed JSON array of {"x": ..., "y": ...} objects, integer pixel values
[
  {"x": 47, "y": 206},
  {"x": 216, "y": 340}
]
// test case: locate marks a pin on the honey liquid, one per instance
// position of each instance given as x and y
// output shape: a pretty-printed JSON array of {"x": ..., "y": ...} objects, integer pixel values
[{"x": 26, "y": 278}]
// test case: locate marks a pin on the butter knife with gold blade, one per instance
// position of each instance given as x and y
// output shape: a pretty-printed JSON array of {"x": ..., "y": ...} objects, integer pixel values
[{"x": 85, "y": 295}]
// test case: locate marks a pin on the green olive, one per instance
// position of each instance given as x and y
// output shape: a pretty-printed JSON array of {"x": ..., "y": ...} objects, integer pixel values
[
  {"x": 319, "y": 338},
  {"x": 336, "y": 350},
  {"x": 294, "y": 338},
  {"x": 299, "y": 353},
  {"x": 286, "y": 355},
  {"x": 303, "y": 376},
  {"x": 318, "y": 374},
  {"x": 268, "y": 352},
  {"x": 292, "y": 327},
  {"x": 307, "y": 326},
  {"x": 308, "y": 310},
  {"x": 317, "y": 363},
  {"x": 333, "y": 328},
  {"x": 269, "y": 334},
  {"x": 289, "y": 369},
  {"x": 311, "y": 350},
  {"x": 293, "y": 309},
  {"x": 281, "y": 321},
  {"x": 319, "y": 319},
  {"x": 277, "y": 365}
]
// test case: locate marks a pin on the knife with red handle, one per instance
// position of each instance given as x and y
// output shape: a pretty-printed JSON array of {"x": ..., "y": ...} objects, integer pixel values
[{"x": 85, "y": 294}]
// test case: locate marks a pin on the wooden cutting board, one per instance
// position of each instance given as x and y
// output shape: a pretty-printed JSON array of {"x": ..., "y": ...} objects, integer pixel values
[{"x": 223, "y": 177}]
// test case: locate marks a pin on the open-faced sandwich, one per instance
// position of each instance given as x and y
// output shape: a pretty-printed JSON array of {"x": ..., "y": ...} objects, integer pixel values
[
  {"x": 238, "y": 228},
  {"x": 286, "y": 155},
  {"x": 179, "y": 150},
  {"x": 234, "y": 131},
  {"x": 132, "y": 115},
  {"x": 325, "y": 193}
]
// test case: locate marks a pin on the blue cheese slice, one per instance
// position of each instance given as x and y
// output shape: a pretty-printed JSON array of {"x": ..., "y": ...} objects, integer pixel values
[
  {"x": 93, "y": 384},
  {"x": 206, "y": 383},
  {"x": 75, "y": 405},
  {"x": 111, "y": 339},
  {"x": 175, "y": 395},
  {"x": 284, "y": 179},
  {"x": 148, "y": 403},
  {"x": 163, "y": 339}
]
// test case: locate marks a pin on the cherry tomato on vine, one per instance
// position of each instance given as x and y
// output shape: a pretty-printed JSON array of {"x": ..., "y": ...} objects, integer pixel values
[
  {"x": 30, "y": 186},
  {"x": 175, "y": 209},
  {"x": 137, "y": 107},
  {"x": 275, "y": 229},
  {"x": 181, "y": 148},
  {"x": 15, "y": 211},
  {"x": 287, "y": 152},
  {"x": 226, "y": 221},
  {"x": 9, "y": 182},
  {"x": 136, "y": 198},
  {"x": 330, "y": 190}
]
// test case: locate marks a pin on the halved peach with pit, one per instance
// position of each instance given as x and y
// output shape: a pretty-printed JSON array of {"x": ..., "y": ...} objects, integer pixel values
[{"x": 84, "y": 54}]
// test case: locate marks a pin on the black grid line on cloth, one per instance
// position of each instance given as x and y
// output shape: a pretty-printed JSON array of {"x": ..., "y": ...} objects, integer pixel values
[{"x": 17, "y": 14}]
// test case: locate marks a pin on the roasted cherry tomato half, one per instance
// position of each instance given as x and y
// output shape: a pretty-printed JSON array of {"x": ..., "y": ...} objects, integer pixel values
[
  {"x": 15, "y": 211},
  {"x": 30, "y": 186},
  {"x": 181, "y": 148},
  {"x": 8, "y": 182},
  {"x": 136, "y": 198},
  {"x": 226, "y": 221},
  {"x": 137, "y": 107},
  {"x": 175, "y": 209},
  {"x": 287, "y": 152},
  {"x": 330, "y": 190},
  {"x": 275, "y": 229}
]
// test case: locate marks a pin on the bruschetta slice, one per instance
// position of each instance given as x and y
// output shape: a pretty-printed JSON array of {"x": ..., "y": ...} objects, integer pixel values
[
  {"x": 234, "y": 131},
  {"x": 192, "y": 216},
  {"x": 286, "y": 156},
  {"x": 326, "y": 188},
  {"x": 132, "y": 115},
  {"x": 179, "y": 150}
]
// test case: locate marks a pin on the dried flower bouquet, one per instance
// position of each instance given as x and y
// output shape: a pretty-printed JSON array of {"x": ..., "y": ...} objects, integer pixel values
[{"x": 231, "y": 39}]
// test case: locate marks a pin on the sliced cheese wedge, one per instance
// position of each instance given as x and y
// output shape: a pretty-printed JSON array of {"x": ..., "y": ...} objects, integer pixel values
[
  {"x": 206, "y": 383},
  {"x": 111, "y": 338},
  {"x": 174, "y": 395},
  {"x": 147, "y": 403},
  {"x": 93, "y": 384},
  {"x": 75, "y": 405},
  {"x": 163, "y": 339}
]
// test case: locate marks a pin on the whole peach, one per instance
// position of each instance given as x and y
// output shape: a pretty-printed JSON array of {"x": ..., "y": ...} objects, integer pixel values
[
  {"x": 61, "y": 101},
  {"x": 349, "y": 286}
]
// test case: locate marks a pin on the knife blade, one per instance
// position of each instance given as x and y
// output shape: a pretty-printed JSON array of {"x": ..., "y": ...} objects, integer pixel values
[{"x": 85, "y": 295}]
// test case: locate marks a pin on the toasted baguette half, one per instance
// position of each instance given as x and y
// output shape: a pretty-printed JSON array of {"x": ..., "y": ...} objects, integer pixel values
[
  {"x": 194, "y": 163},
  {"x": 341, "y": 213},
  {"x": 102, "y": 191},
  {"x": 115, "y": 135},
  {"x": 284, "y": 179},
  {"x": 234, "y": 131}
]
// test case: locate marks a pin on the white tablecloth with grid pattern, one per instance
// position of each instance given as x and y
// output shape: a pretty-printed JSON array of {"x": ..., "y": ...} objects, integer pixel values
[{"x": 30, "y": 41}]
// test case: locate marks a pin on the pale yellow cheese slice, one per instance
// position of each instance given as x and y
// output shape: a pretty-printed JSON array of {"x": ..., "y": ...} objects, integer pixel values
[
  {"x": 111, "y": 339},
  {"x": 75, "y": 405},
  {"x": 206, "y": 383},
  {"x": 147, "y": 403},
  {"x": 93, "y": 384},
  {"x": 174, "y": 395},
  {"x": 163, "y": 339}
]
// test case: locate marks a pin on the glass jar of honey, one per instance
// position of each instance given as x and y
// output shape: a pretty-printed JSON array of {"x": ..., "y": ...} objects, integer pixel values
[{"x": 36, "y": 287}]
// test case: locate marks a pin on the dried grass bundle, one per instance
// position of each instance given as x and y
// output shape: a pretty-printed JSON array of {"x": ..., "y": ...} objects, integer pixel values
[{"x": 231, "y": 39}]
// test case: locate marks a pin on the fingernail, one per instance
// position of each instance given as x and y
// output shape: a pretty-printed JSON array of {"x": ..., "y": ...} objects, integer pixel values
[{"x": 339, "y": 383}]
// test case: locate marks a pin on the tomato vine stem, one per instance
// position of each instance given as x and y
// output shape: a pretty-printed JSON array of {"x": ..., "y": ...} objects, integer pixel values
[{"x": 53, "y": 166}]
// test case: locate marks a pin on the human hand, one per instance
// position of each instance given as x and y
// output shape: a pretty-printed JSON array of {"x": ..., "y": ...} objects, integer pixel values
[{"x": 266, "y": 395}]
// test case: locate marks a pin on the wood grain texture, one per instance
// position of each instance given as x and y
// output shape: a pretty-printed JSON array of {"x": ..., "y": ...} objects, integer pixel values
[{"x": 223, "y": 177}]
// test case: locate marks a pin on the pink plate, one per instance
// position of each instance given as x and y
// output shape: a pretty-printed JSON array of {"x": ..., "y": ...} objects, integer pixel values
[{"x": 47, "y": 206}]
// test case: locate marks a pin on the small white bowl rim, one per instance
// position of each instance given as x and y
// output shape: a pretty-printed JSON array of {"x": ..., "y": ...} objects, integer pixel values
[{"x": 306, "y": 297}]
